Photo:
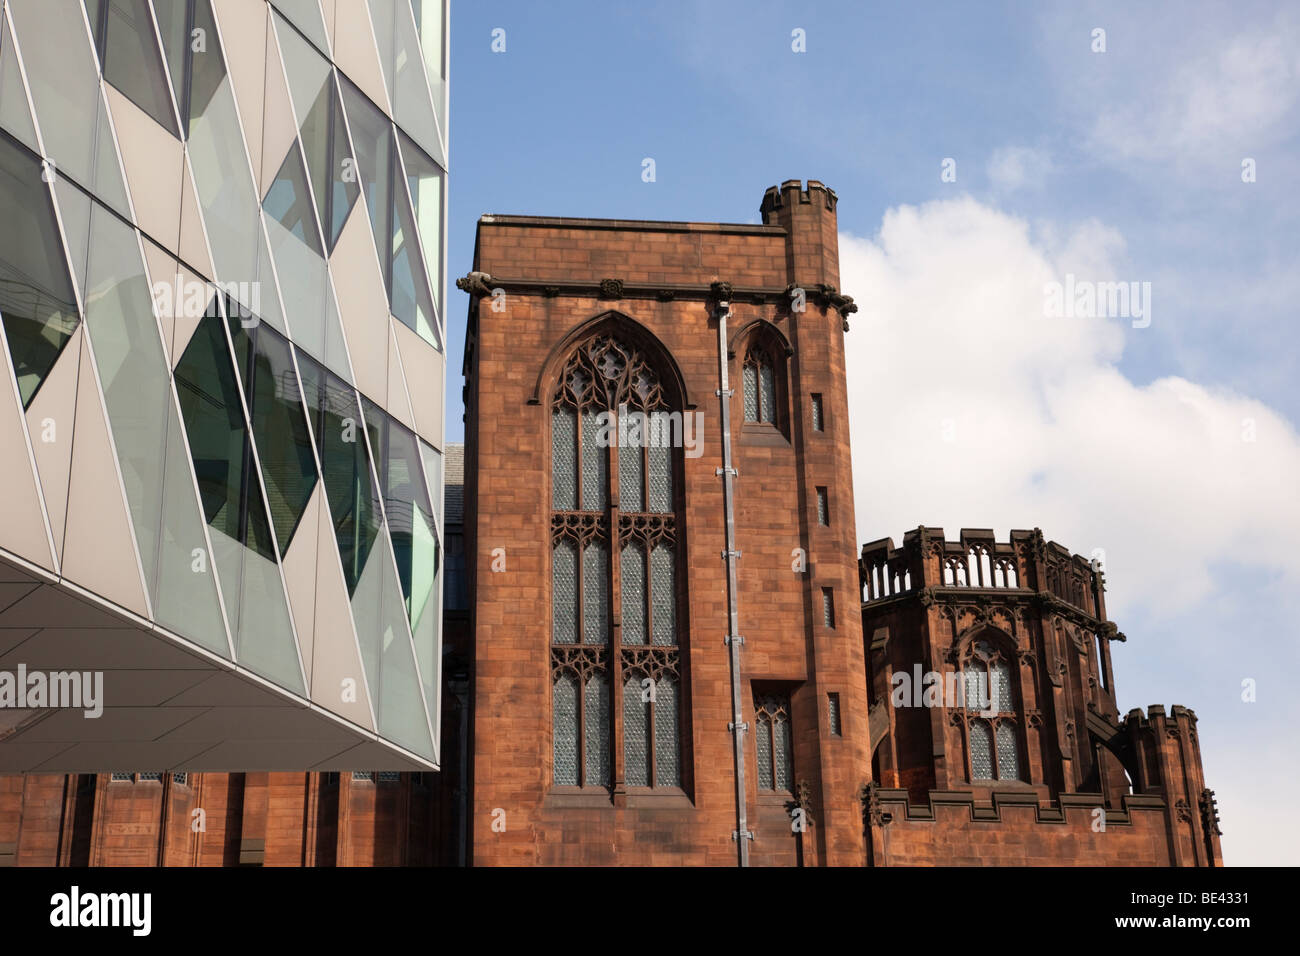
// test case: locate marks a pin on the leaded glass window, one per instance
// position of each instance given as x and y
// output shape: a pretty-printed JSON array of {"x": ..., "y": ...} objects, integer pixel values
[
  {"x": 760, "y": 386},
  {"x": 615, "y": 425},
  {"x": 988, "y": 710},
  {"x": 774, "y": 738},
  {"x": 564, "y": 723}
]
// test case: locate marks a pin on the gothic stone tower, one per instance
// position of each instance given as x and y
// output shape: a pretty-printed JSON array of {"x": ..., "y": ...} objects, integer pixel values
[
  {"x": 1036, "y": 766},
  {"x": 601, "y": 606}
]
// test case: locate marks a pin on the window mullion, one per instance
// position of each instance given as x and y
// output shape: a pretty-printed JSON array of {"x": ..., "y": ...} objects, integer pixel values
[{"x": 618, "y": 775}]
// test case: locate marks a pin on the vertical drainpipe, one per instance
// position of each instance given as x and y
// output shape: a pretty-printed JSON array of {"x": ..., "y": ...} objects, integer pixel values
[{"x": 737, "y": 725}]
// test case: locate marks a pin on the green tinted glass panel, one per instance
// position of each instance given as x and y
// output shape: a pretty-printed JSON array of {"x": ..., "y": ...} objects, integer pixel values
[
  {"x": 37, "y": 304},
  {"x": 349, "y": 486},
  {"x": 284, "y": 445},
  {"x": 219, "y": 447}
]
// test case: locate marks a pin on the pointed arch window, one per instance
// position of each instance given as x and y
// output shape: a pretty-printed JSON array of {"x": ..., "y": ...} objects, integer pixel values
[
  {"x": 615, "y": 569},
  {"x": 760, "y": 377},
  {"x": 989, "y": 713},
  {"x": 774, "y": 742}
]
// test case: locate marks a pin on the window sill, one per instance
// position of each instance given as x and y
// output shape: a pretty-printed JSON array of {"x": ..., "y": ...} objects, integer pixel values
[
  {"x": 761, "y": 433},
  {"x": 574, "y": 797},
  {"x": 774, "y": 798},
  {"x": 663, "y": 798}
]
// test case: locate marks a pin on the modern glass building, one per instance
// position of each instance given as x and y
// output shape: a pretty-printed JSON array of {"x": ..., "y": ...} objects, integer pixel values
[{"x": 222, "y": 275}]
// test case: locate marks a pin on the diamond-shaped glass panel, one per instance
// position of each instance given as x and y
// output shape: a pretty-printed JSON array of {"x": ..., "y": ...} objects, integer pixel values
[
  {"x": 595, "y": 479},
  {"x": 564, "y": 592},
  {"x": 564, "y": 459},
  {"x": 667, "y": 739},
  {"x": 631, "y": 477},
  {"x": 663, "y": 593},
  {"x": 751, "y": 393},
  {"x": 636, "y": 730},
  {"x": 981, "y": 750},
  {"x": 595, "y": 593},
  {"x": 763, "y": 739},
  {"x": 1008, "y": 752},
  {"x": 596, "y": 731},
  {"x": 661, "y": 479},
  {"x": 564, "y": 727},
  {"x": 633, "y": 585}
]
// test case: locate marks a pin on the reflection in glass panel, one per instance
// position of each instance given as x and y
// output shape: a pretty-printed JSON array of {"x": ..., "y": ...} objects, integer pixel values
[
  {"x": 667, "y": 740},
  {"x": 132, "y": 371},
  {"x": 64, "y": 84},
  {"x": 15, "y": 116},
  {"x": 289, "y": 201},
  {"x": 186, "y": 599},
  {"x": 564, "y": 727},
  {"x": 219, "y": 448},
  {"x": 981, "y": 750},
  {"x": 233, "y": 505},
  {"x": 424, "y": 179},
  {"x": 306, "y": 16},
  {"x": 409, "y": 289},
  {"x": 174, "y": 29},
  {"x": 372, "y": 137},
  {"x": 387, "y": 652},
  {"x": 353, "y": 500},
  {"x": 428, "y": 23},
  {"x": 223, "y": 179},
  {"x": 663, "y": 594},
  {"x": 636, "y": 733},
  {"x": 596, "y": 732},
  {"x": 403, "y": 63},
  {"x": 406, "y": 503},
  {"x": 633, "y": 584},
  {"x": 564, "y": 592},
  {"x": 37, "y": 304},
  {"x": 279, "y": 425},
  {"x": 129, "y": 55},
  {"x": 1008, "y": 752}
]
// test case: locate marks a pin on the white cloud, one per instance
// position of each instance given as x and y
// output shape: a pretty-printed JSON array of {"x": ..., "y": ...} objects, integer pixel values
[
  {"x": 1223, "y": 84},
  {"x": 1046, "y": 431},
  {"x": 1018, "y": 167}
]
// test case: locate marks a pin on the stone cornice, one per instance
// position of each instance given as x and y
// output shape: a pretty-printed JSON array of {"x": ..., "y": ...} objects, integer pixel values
[{"x": 610, "y": 288}]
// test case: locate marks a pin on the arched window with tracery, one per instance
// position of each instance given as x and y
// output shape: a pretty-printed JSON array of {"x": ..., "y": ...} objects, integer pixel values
[
  {"x": 615, "y": 426},
  {"x": 989, "y": 713}
]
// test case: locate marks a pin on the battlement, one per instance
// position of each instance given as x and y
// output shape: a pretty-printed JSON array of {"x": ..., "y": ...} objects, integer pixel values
[
  {"x": 1025, "y": 562},
  {"x": 793, "y": 191}
]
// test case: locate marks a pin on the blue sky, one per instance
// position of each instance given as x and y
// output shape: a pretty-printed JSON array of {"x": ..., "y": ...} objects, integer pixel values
[{"x": 1124, "y": 164}]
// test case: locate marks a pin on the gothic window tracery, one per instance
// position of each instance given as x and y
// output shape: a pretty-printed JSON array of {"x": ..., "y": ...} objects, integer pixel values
[
  {"x": 761, "y": 389},
  {"x": 989, "y": 713},
  {"x": 774, "y": 743},
  {"x": 615, "y": 427}
]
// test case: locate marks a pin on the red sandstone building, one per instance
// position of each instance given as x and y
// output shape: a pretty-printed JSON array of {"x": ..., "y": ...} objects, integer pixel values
[{"x": 671, "y": 653}]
